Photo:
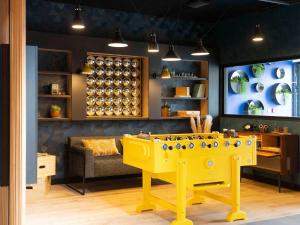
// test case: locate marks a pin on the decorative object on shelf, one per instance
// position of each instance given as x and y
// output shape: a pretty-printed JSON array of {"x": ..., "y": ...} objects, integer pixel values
[
  {"x": 239, "y": 82},
  {"x": 165, "y": 110},
  {"x": 196, "y": 127},
  {"x": 182, "y": 92},
  {"x": 117, "y": 41},
  {"x": 254, "y": 107},
  {"x": 171, "y": 55},
  {"x": 264, "y": 128},
  {"x": 90, "y": 60},
  {"x": 259, "y": 87},
  {"x": 257, "y": 35},
  {"x": 78, "y": 23},
  {"x": 55, "y": 111},
  {"x": 116, "y": 89},
  {"x": 248, "y": 127},
  {"x": 258, "y": 70},
  {"x": 280, "y": 73},
  {"x": 282, "y": 93},
  {"x": 200, "y": 49},
  {"x": 152, "y": 43},
  {"x": 165, "y": 74},
  {"x": 87, "y": 70},
  {"x": 54, "y": 89},
  {"x": 188, "y": 113},
  {"x": 199, "y": 91}
]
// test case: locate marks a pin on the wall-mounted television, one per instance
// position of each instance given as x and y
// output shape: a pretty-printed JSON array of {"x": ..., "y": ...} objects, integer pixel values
[{"x": 263, "y": 89}]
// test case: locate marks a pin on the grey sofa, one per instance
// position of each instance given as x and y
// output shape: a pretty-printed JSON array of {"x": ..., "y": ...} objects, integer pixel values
[{"x": 81, "y": 162}]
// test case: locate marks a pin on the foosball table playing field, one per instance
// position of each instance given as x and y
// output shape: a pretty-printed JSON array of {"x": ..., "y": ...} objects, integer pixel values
[{"x": 192, "y": 162}]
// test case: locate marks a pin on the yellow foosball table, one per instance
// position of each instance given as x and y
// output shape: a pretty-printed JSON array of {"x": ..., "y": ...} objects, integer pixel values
[{"x": 192, "y": 162}]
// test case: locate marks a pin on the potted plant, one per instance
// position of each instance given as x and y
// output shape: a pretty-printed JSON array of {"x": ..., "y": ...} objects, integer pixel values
[
  {"x": 285, "y": 94},
  {"x": 55, "y": 111}
]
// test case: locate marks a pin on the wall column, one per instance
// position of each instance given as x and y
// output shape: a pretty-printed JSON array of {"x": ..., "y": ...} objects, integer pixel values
[{"x": 17, "y": 189}]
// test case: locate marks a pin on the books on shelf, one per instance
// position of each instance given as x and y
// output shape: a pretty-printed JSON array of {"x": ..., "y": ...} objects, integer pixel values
[{"x": 199, "y": 91}]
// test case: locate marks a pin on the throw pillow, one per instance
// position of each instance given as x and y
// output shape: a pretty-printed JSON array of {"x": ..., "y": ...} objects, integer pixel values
[{"x": 101, "y": 147}]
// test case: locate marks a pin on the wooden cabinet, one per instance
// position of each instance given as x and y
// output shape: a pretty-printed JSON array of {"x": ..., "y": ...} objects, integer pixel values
[
  {"x": 46, "y": 165},
  {"x": 277, "y": 153}
]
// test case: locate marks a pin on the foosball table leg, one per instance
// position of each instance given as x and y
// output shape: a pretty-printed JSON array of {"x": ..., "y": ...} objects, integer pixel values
[
  {"x": 236, "y": 213},
  {"x": 181, "y": 191},
  {"x": 146, "y": 205},
  {"x": 197, "y": 198}
]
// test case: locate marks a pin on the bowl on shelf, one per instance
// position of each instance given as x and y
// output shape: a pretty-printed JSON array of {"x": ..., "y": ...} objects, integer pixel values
[
  {"x": 117, "y": 101},
  {"x": 118, "y": 62},
  {"x": 135, "y": 111},
  {"x": 135, "y": 101},
  {"x": 100, "y": 110},
  {"x": 100, "y": 91},
  {"x": 135, "y": 82},
  {"x": 100, "y": 81},
  {"x": 135, "y": 63},
  {"x": 109, "y": 71},
  {"x": 90, "y": 91},
  {"x": 126, "y": 62},
  {"x": 117, "y": 91},
  {"x": 126, "y": 72},
  {"x": 126, "y": 101},
  {"x": 100, "y": 61},
  {"x": 126, "y": 111},
  {"x": 99, "y": 71},
  {"x": 109, "y": 110},
  {"x": 90, "y": 80},
  {"x": 126, "y": 92},
  {"x": 109, "y": 61},
  {"x": 108, "y": 81},
  {"x": 126, "y": 82},
  {"x": 135, "y": 73},
  {"x": 117, "y": 82},
  {"x": 109, "y": 91},
  {"x": 90, "y": 100},
  {"x": 90, "y": 60},
  {"x": 109, "y": 101},
  {"x": 100, "y": 101},
  {"x": 90, "y": 110},
  {"x": 118, "y": 110},
  {"x": 117, "y": 72},
  {"x": 135, "y": 92}
]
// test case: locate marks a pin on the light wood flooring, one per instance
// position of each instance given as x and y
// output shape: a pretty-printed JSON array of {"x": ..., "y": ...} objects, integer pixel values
[{"x": 117, "y": 207}]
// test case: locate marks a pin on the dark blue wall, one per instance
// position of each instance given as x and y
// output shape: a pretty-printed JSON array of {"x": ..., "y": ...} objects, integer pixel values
[
  {"x": 53, "y": 135},
  {"x": 281, "y": 28}
]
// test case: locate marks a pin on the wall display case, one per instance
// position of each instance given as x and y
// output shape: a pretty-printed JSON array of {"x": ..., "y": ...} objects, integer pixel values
[
  {"x": 117, "y": 88},
  {"x": 54, "y": 84},
  {"x": 186, "y": 90},
  {"x": 274, "y": 83}
]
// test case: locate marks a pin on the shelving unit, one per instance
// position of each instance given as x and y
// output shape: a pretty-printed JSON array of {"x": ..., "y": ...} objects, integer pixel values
[
  {"x": 54, "y": 66},
  {"x": 200, "y": 69}
]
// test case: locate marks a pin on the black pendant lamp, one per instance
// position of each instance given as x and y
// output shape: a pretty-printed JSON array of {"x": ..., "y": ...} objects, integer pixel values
[
  {"x": 200, "y": 50},
  {"x": 117, "y": 41},
  {"x": 171, "y": 55},
  {"x": 152, "y": 44},
  {"x": 77, "y": 21},
  {"x": 257, "y": 36}
]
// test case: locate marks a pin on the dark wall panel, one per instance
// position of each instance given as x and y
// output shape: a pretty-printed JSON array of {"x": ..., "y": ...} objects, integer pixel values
[{"x": 4, "y": 115}]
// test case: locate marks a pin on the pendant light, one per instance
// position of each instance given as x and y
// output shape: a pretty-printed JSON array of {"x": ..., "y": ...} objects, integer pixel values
[
  {"x": 171, "y": 55},
  {"x": 257, "y": 36},
  {"x": 165, "y": 74},
  {"x": 152, "y": 44},
  {"x": 118, "y": 41},
  {"x": 87, "y": 70},
  {"x": 77, "y": 21},
  {"x": 200, "y": 50}
]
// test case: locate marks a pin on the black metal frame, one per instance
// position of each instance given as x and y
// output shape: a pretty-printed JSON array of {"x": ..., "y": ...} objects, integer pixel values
[{"x": 83, "y": 157}]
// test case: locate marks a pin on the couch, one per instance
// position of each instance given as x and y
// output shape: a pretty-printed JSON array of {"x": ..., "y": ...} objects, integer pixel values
[{"x": 82, "y": 163}]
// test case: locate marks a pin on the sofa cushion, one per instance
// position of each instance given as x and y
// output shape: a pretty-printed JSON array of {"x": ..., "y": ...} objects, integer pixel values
[
  {"x": 77, "y": 141},
  {"x": 101, "y": 147},
  {"x": 113, "y": 166}
]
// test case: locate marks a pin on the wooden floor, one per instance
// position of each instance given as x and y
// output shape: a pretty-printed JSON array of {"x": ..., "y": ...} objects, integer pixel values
[{"x": 117, "y": 207}]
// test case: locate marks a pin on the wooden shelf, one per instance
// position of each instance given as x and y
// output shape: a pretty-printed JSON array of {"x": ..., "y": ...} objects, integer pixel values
[
  {"x": 184, "y": 78},
  {"x": 53, "y": 119},
  {"x": 53, "y": 96},
  {"x": 267, "y": 153},
  {"x": 51, "y": 73},
  {"x": 183, "y": 98},
  {"x": 115, "y": 118},
  {"x": 175, "y": 118}
]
